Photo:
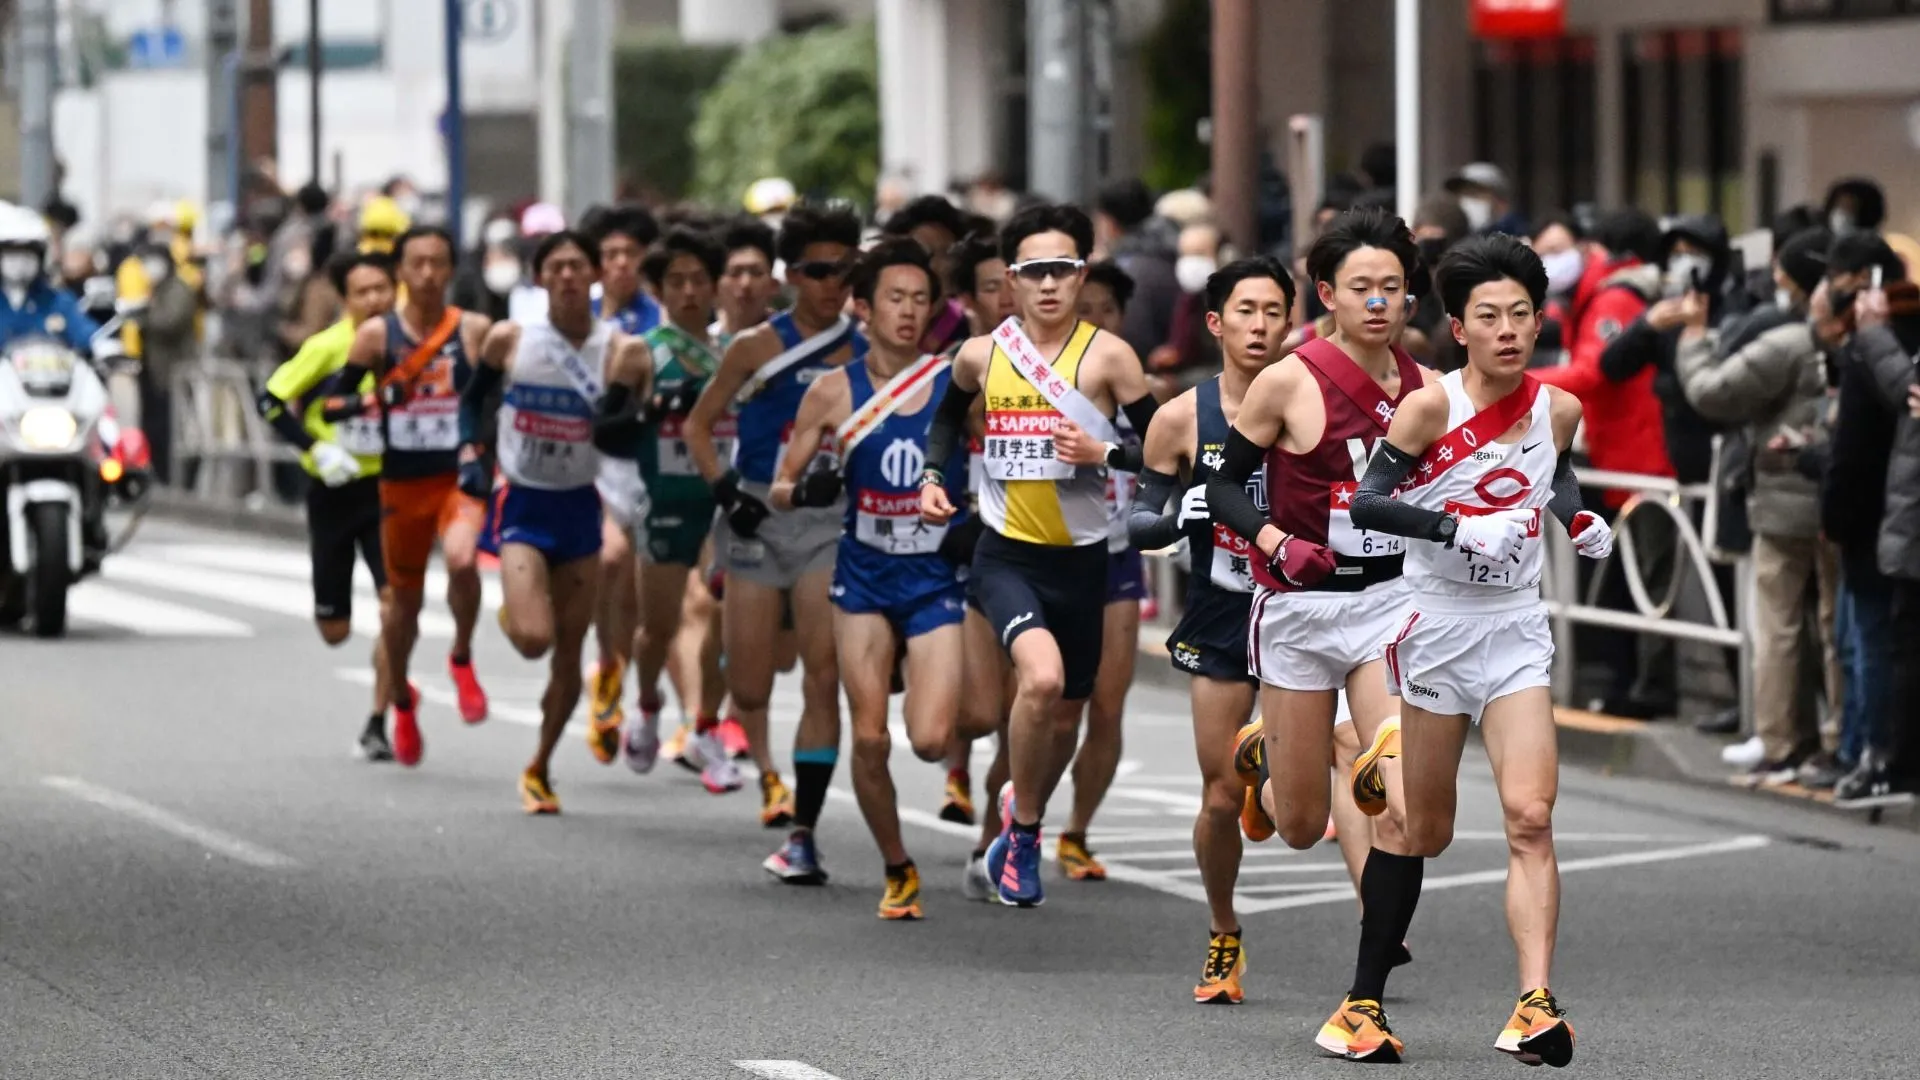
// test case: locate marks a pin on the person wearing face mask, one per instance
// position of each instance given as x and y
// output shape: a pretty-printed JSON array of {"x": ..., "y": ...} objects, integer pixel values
[
  {"x": 1190, "y": 355},
  {"x": 1855, "y": 204},
  {"x": 1487, "y": 199},
  {"x": 1146, "y": 247},
  {"x": 30, "y": 306}
]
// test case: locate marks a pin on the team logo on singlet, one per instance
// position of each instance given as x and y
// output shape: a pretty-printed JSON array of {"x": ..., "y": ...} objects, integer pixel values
[
  {"x": 1212, "y": 457},
  {"x": 901, "y": 462},
  {"x": 1502, "y": 488}
]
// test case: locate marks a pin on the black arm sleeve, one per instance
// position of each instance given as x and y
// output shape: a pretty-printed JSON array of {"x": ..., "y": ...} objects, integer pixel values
[
  {"x": 342, "y": 400},
  {"x": 1376, "y": 510},
  {"x": 1139, "y": 414},
  {"x": 1147, "y": 527},
  {"x": 283, "y": 421},
  {"x": 473, "y": 400},
  {"x": 1227, "y": 498},
  {"x": 948, "y": 422},
  {"x": 1566, "y": 501},
  {"x": 617, "y": 424}
]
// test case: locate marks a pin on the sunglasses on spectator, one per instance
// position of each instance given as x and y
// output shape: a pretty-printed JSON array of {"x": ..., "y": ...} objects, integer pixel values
[
  {"x": 1037, "y": 270},
  {"x": 821, "y": 269}
]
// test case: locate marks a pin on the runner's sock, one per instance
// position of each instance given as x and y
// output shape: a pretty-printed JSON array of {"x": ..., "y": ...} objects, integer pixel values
[
  {"x": 812, "y": 773},
  {"x": 1389, "y": 892},
  {"x": 704, "y": 724},
  {"x": 460, "y": 659}
]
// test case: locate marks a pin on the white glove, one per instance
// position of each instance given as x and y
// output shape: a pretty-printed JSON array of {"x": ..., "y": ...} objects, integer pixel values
[
  {"x": 1193, "y": 505},
  {"x": 1495, "y": 537},
  {"x": 334, "y": 464},
  {"x": 1592, "y": 536}
]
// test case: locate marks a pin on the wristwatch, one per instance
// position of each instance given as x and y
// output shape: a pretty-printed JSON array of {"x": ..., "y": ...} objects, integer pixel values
[
  {"x": 1114, "y": 450},
  {"x": 1447, "y": 526}
]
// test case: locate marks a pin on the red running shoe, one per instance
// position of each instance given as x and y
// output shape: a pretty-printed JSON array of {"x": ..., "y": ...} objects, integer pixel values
[
  {"x": 733, "y": 737},
  {"x": 473, "y": 700},
  {"x": 407, "y": 744}
]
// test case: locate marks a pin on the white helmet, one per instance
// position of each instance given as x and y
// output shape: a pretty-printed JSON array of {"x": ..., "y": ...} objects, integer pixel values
[{"x": 22, "y": 227}]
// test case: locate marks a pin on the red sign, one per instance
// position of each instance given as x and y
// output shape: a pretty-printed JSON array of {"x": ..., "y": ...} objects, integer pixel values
[{"x": 1519, "y": 18}]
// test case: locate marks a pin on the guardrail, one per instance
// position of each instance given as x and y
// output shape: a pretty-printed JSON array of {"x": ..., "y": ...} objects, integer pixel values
[{"x": 221, "y": 447}]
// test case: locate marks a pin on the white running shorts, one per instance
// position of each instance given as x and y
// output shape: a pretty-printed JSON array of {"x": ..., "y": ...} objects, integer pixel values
[
  {"x": 1450, "y": 663},
  {"x": 623, "y": 494},
  {"x": 1314, "y": 640}
]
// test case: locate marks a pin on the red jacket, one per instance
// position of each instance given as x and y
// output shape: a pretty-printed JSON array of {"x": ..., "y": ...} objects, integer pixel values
[{"x": 1626, "y": 431}]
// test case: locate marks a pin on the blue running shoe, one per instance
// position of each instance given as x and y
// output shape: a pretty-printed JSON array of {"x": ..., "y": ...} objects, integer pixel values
[
  {"x": 1019, "y": 879},
  {"x": 797, "y": 862},
  {"x": 997, "y": 851}
]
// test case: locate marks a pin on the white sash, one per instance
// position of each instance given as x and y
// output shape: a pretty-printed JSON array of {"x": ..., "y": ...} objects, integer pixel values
[
  {"x": 1034, "y": 368},
  {"x": 574, "y": 368},
  {"x": 820, "y": 344},
  {"x": 885, "y": 402}
]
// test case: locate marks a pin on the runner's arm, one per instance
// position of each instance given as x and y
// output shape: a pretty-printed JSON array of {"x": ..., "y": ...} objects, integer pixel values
[
  {"x": 490, "y": 366},
  {"x": 1257, "y": 427},
  {"x": 289, "y": 382},
  {"x": 1419, "y": 421},
  {"x": 617, "y": 420},
  {"x": 950, "y": 419},
  {"x": 344, "y": 400},
  {"x": 743, "y": 358},
  {"x": 1135, "y": 400},
  {"x": 1147, "y": 527},
  {"x": 820, "y": 409},
  {"x": 1566, "y": 502}
]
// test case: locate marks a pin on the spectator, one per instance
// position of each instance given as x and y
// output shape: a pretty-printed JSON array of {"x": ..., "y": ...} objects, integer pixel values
[
  {"x": 1190, "y": 354},
  {"x": 1855, "y": 204},
  {"x": 1775, "y": 385},
  {"x": 1144, "y": 246},
  {"x": 1487, "y": 199},
  {"x": 935, "y": 222},
  {"x": 171, "y": 343}
]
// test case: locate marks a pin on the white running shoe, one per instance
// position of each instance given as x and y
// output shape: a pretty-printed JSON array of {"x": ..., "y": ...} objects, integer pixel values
[
  {"x": 974, "y": 883},
  {"x": 643, "y": 742},
  {"x": 717, "y": 769},
  {"x": 1744, "y": 755}
]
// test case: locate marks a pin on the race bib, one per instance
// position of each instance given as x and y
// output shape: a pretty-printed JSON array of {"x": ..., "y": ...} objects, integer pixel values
[
  {"x": 548, "y": 450},
  {"x": 892, "y": 523},
  {"x": 360, "y": 435},
  {"x": 1019, "y": 445},
  {"x": 1355, "y": 543},
  {"x": 1232, "y": 560},
  {"x": 425, "y": 424},
  {"x": 1457, "y": 565},
  {"x": 674, "y": 456},
  {"x": 786, "y": 438}
]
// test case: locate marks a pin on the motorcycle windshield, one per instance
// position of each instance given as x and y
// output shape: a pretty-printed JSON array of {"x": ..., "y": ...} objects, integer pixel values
[{"x": 43, "y": 365}]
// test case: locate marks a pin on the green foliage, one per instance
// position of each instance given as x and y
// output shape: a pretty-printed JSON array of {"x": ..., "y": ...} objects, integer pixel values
[
  {"x": 806, "y": 107},
  {"x": 1179, "y": 66},
  {"x": 658, "y": 83}
]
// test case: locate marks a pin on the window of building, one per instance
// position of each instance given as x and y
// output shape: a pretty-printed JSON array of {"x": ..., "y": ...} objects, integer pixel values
[
  {"x": 1534, "y": 117},
  {"x": 1681, "y": 115}
]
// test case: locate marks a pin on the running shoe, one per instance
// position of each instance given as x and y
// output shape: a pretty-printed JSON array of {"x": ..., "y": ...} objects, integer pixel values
[
  {"x": 537, "y": 795},
  {"x": 1249, "y": 752},
  {"x": 717, "y": 771},
  {"x": 1358, "y": 1031},
  {"x": 373, "y": 744},
  {"x": 797, "y": 862},
  {"x": 734, "y": 738},
  {"x": 996, "y": 858},
  {"x": 473, "y": 700},
  {"x": 1254, "y": 822},
  {"x": 674, "y": 747},
  {"x": 1076, "y": 861},
  {"x": 1537, "y": 1032},
  {"x": 959, "y": 805},
  {"x": 642, "y": 742},
  {"x": 902, "y": 897},
  {"x": 408, "y": 746},
  {"x": 603, "y": 695},
  {"x": 1019, "y": 860},
  {"x": 974, "y": 882},
  {"x": 1369, "y": 782},
  {"x": 1220, "y": 975},
  {"x": 776, "y": 802}
]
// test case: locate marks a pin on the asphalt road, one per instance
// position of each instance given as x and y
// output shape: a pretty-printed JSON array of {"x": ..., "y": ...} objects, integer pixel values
[{"x": 201, "y": 881}]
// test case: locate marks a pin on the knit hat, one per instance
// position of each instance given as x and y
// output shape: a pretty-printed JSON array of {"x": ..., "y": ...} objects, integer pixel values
[{"x": 1804, "y": 258}]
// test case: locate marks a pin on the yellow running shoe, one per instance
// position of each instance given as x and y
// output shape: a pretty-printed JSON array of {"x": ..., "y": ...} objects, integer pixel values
[
  {"x": 1254, "y": 822},
  {"x": 674, "y": 749},
  {"x": 1358, "y": 1031},
  {"x": 1369, "y": 783},
  {"x": 1249, "y": 747},
  {"x": 776, "y": 802},
  {"x": 537, "y": 795},
  {"x": 902, "y": 898},
  {"x": 603, "y": 689},
  {"x": 1537, "y": 1033},
  {"x": 1220, "y": 976},
  {"x": 1076, "y": 861},
  {"x": 959, "y": 805}
]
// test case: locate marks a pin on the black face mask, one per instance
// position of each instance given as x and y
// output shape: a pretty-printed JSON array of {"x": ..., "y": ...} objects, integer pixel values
[{"x": 1431, "y": 249}]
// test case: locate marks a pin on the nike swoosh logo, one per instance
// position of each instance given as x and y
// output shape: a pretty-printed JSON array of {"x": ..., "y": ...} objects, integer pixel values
[
  {"x": 1007, "y": 634},
  {"x": 1528, "y": 449},
  {"x": 1352, "y": 1025}
]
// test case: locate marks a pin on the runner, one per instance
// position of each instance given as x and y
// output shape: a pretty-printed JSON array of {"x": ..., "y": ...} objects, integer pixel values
[
  {"x": 938, "y": 225},
  {"x": 1049, "y": 438},
  {"x": 747, "y": 285},
  {"x": 623, "y": 234},
  {"x": 894, "y": 589},
  {"x": 544, "y": 521},
  {"x": 1468, "y": 466},
  {"x": 343, "y": 509},
  {"x": 1249, "y": 310},
  {"x": 1329, "y": 593},
  {"x": 421, "y": 357},
  {"x": 770, "y": 558}
]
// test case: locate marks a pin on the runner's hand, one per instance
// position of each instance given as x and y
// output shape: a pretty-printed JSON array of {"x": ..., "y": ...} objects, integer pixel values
[
  {"x": 746, "y": 515},
  {"x": 1592, "y": 536},
  {"x": 1075, "y": 447},
  {"x": 817, "y": 487},
  {"x": 475, "y": 480},
  {"x": 1302, "y": 563},
  {"x": 727, "y": 489},
  {"x": 1193, "y": 506},
  {"x": 1495, "y": 537},
  {"x": 935, "y": 507},
  {"x": 333, "y": 464}
]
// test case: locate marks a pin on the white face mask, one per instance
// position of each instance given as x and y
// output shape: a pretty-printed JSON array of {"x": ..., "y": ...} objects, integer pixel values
[
  {"x": 501, "y": 275},
  {"x": 1840, "y": 222},
  {"x": 1192, "y": 272},
  {"x": 1783, "y": 299},
  {"x": 1479, "y": 211},
  {"x": 1563, "y": 270},
  {"x": 1680, "y": 271},
  {"x": 19, "y": 268}
]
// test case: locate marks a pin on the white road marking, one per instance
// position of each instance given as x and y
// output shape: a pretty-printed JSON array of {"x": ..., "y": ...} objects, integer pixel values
[
  {"x": 286, "y": 563},
  {"x": 273, "y": 595},
  {"x": 94, "y": 602},
  {"x": 496, "y": 709},
  {"x": 784, "y": 1070},
  {"x": 166, "y": 821}
]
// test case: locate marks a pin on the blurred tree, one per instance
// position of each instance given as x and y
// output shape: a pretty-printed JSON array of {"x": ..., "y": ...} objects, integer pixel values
[
  {"x": 659, "y": 82},
  {"x": 1179, "y": 65},
  {"x": 806, "y": 107}
]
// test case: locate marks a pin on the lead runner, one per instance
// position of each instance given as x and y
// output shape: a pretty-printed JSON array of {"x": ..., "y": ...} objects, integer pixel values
[{"x": 1468, "y": 465}]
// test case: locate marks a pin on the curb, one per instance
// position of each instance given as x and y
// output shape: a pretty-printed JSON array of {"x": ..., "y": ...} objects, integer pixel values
[{"x": 279, "y": 521}]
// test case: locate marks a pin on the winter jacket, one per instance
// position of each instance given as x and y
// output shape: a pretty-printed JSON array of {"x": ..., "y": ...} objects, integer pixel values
[
  {"x": 1776, "y": 382},
  {"x": 1853, "y": 487},
  {"x": 1887, "y": 358},
  {"x": 1624, "y": 431}
]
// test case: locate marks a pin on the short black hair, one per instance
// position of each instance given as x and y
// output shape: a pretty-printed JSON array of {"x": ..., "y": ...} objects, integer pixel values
[
  {"x": 1859, "y": 251},
  {"x": 1221, "y": 283},
  {"x": 341, "y": 266},
  {"x": 1118, "y": 282},
  {"x": 630, "y": 220},
  {"x": 553, "y": 242},
  {"x": 813, "y": 223},
  {"x": 892, "y": 251},
  {"x": 1562, "y": 219},
  {"x": 927, "y": 210},
  {"x": 746, "y": 231},
  {"x": 1128, "y": 201},
  {"x": 1362, "y": 228},
  {"x": 1477, "y": 260},
  {"x": 1628, "y": 231},
  {"x": 679, "y": 241},
  {"x": 965, "y": 259},
  {"x": 420, "y": 232},
  {"x": 1867, "y": 197},
  {"x": 1045, "y": 218}
]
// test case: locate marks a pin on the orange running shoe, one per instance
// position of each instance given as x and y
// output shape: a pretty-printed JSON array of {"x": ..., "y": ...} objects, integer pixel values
[
  {"x": 537, "y": 795},
  {"x": 1358, "y": 1031},
  {"x": 959, "y": 805},
  {"x": 1537, "y": 1033},
  {"x": 1220, "y": 976},
  {"x": 776, "y": 801},
  {"x": 1254, "y": 822},
  {"x": 902, "y": 897},
  {"x": 1249, "y": 749},
  {"x": 408, "y": 746},
  {"x": 473, "y": 700},
  {"x": 1369, "y": 783},
  {"x": 733, "y": 738},
  {"x": 1076, "y": 861}
]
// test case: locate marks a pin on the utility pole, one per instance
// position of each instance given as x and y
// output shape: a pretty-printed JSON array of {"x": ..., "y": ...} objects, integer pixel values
[
  {"x": 314, "y": 66},
  {"x": 590, "y": 106},
  {"x": 455, "y": 129},
  {"x": 1236, "y": 103},
  {"x": 37, "y": 55},
  {"x": 1406, "y": 106},
  {"x": 259, "y": 111},
  {"x": 555, "y": 23},
  {"x": 223, "y": 76},
  {"x": 1057, "y": 99}
]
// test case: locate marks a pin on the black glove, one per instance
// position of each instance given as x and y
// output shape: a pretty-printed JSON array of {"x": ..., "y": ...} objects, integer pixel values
[
  {"x": 819, "y": 486},
  {"x": 746, "y": 514},
  {"x": 957, "y": 546},
  {"x": 394, "y": 394},
  {"x": 726, "y": 490},
  {"x": 475, "y": 480}
]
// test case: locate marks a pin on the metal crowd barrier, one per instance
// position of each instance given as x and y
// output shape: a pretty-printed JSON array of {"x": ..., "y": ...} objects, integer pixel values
[{"x": 221, "y": 447}]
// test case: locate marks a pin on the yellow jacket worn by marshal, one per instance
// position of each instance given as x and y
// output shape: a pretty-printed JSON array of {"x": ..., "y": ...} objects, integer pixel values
[{"x": 1026, "y": 493}]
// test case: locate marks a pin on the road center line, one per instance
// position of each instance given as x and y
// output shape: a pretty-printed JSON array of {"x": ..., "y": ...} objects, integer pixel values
[
  {"x": 784, "y": 1070},
  {"x": 166, "y": 821}
]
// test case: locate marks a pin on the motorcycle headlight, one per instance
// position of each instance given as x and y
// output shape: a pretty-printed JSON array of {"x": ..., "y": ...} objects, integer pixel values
[{"x": 47, "y": 428}]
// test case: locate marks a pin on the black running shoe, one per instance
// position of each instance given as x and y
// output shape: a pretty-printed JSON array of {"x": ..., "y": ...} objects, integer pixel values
[{"x": 373, "y": 744}]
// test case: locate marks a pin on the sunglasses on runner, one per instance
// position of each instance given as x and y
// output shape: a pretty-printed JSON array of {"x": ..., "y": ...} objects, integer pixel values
[
  {"x": 822, "y": 269},
  {"x": 1041, "y": 269}
]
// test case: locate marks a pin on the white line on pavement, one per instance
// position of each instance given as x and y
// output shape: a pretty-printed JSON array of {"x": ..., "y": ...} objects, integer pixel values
[
  {"x": 166, "y": 821},
  {"x": 97, "y": 603},
  {"x": 784, "y": 1070},
  {"x": 259, "y": 593},
  {"x": 512, "y": 714}
]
